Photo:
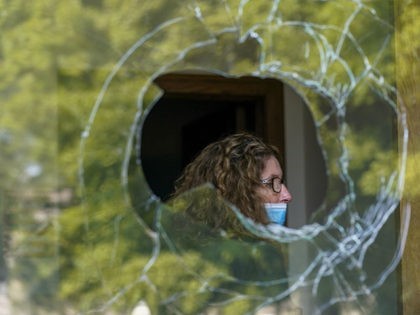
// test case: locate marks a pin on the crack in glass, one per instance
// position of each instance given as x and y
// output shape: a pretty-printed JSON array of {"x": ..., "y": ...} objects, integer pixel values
[
  {"x": 118, "y": 247},
  {"x": 336, "y": 269}
]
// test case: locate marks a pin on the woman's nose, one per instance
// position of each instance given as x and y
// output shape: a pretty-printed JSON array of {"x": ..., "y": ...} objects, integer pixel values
[{"x": 285, "y": 196}]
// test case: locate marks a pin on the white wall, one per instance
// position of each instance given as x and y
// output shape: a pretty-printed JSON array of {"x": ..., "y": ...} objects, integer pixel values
[
  {"x": 305, "y": 167},
  {"x": 306, "y": 179}
]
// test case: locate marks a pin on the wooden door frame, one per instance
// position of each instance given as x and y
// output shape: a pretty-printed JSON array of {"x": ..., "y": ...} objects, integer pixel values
[{"x": 270, "y": 91}]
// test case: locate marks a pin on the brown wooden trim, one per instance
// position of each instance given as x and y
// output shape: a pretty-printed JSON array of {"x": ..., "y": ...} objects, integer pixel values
[
  {"x": 269, "y": 120},
  {"x": 211, "y": 84}
]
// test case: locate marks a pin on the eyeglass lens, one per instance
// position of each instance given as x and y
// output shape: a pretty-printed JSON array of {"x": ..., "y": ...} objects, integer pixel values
[{"x": 277, "y": 183}]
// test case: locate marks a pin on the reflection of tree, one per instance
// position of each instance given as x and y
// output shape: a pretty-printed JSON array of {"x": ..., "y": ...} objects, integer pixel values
[
  {"x": 54, "y": 59},
  {"x": 194, "y": 266},
  {"x": 408, "y": 82},
  {"x": 248, "y": 266}
]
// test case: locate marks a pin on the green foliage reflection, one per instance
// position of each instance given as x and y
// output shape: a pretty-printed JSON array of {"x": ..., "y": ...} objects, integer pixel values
[{"x": 79, "y": 228}]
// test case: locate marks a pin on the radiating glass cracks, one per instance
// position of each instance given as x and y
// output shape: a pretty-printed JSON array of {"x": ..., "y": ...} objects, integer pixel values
[
  {"x": 344, "y": 257},
  {"x": 101, "y": 240}
]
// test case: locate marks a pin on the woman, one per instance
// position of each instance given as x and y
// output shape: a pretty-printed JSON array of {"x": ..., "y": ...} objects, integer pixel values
[{"x": 245, "y": 172}]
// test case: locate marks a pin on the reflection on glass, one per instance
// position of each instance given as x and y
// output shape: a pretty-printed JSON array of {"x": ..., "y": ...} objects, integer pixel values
[{"x": 81, "y": 230}]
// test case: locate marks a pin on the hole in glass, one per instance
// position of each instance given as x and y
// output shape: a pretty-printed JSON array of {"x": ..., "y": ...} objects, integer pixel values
[{"x": 196, "y": 110}]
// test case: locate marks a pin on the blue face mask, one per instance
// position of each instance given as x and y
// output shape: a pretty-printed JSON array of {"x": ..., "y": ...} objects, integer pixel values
[{"x": 276, "y": 212}]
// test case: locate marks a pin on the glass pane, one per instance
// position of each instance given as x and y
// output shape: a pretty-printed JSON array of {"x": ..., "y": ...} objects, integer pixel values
[{"x": 81, "y": 229}]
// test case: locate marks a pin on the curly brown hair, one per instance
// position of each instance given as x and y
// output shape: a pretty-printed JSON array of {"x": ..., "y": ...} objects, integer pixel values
[{"x": 233, "y": 166}]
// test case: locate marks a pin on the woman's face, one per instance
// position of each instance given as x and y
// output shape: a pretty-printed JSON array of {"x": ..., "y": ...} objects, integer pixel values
[{"x": 272, "y": 170}]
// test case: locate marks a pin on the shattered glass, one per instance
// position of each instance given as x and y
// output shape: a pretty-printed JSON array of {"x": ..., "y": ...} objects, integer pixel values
[{"x": 83, "y": 233}]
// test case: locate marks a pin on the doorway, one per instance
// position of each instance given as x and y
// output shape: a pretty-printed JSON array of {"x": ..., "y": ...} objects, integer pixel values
[{"x": 196, "y": 110}]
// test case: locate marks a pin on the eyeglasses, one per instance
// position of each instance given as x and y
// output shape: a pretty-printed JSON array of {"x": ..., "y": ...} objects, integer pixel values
[{"x": 275, "y": 183}]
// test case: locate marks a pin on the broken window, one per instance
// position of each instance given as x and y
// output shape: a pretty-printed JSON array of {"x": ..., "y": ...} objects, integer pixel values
[{"x": 88, "y": 228}]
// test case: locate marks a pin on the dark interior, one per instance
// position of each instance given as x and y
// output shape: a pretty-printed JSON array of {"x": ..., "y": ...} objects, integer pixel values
[{"x": 179, "y": 126}]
